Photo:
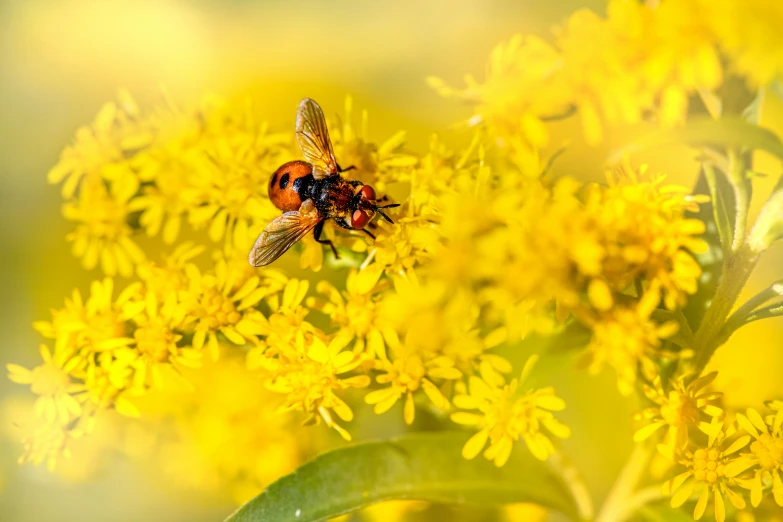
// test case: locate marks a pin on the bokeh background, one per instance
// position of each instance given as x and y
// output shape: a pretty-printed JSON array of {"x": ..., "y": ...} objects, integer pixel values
[{"x": 60, "y": 61}]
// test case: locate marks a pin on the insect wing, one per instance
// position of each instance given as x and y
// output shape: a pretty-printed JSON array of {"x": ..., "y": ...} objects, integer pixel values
[
  {"x": 280, "y": 235},
  {"x": 313, "y": 138}
]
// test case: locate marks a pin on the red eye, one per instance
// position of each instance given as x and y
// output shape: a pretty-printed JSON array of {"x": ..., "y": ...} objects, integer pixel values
[
  {"x": 359, "y": 219},
  {"x": 367, "y": 192}
]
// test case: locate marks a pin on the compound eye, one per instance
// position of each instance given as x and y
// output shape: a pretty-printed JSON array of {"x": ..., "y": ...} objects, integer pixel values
[
  {"x": 367, "y": 192},
  {"x": 359, "y": 219}
]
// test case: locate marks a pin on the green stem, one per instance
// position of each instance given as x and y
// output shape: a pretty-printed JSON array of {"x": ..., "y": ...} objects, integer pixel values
[
  {"x": 614, "y": 508},
  {"x": 642, "y": 498},
  {"x": 739, "y": 183},
  {"x": 738, "y": 318},
  {"x": 736, "y": 272},
  {"x": 575, "y": 483}
]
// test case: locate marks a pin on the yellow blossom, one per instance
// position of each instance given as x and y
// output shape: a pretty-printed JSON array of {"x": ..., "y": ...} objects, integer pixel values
[
  {"x": 102, "y": 233},
  {"x": 375, "y": 165},
  {"x": 680, "y": 409},
  {"x": 708, "y": 472},
  {"x": 222, "y": 303},
  {"x": 765, "y": 458},
  {"x": 97, "y": 325},
  {"x": 627, "y": 337},
  {"x": 356, "y": 312},
  {"x": 508, "y": 413},
  {"x": 101, "y": 148},
  {"x": 310, "y": 375},
  {"x": 53, "y": 385}
]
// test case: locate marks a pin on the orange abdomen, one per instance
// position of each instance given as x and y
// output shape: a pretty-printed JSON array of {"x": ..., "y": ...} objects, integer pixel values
[{"x": 281, "y": 185}]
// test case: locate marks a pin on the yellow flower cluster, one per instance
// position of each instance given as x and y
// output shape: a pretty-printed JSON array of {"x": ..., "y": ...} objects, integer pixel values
[
  {"x": 484, "y": 250},
  {"x": 422, "y": 310},
  {"x": 743, "y": 455},
  {"x": 642, "y": 61}
]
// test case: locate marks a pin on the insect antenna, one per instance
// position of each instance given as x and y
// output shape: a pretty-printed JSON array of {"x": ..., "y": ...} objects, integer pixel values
[{"x": 382, "y": 213}]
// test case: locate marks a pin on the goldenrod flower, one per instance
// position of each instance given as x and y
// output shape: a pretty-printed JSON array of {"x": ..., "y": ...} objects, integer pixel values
[
  {"x": 157, "y": 342},
  {"x": 405, "y": 374},
  {"x": 223, "y": 435},
  {"x": 681, "y": 409},
  {"x": 355, "y": 311},
  {"x": 376, "y": 165},
  {"x": 168, "y": 279},
  {"x": 766, "y": 454},
  {"x": 753, "y": 44},
  {"x": 100, "y": 149},
  {"x": 48, "y": 442},
  {"x": 166, "y": 167},
  {"x": 232, "y": 171},
  {"x": 310, "y": 375},
  {"x": 708, "y": 472},
  {"x": 52, "y": 382},
  {"x": 521, "y": 87},
  {"x": 97, "y": 325},
  {"x": 222, "y": 303},
  {"x": 626, "y": 337},
  {"x": 102, "y": 233},
  {"x": 508, "y": 414}
]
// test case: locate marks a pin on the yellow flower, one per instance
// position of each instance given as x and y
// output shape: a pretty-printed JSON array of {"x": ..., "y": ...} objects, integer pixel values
[
  {"x": 356, "y": 312},
  {"x": 223, "y": 303},
  {"x": 157, "y": 343},
  {"x": 100, "y": 149},
  {"x": 406, "y": 374},
  {"x": 626, "y": 337},
  {"x": 681, "y": 409},
  {"x": 765, "y": 456},
  {"x": 97, "y": 325},
  {"x": 753, "y": 43},
  {"x": 508, "y": 414},
  {"x": 310, "y": 374},
  {"x": 375, "y": 165},
  {"x": 168, "y": 279},
  {"x": 708, "y": 472},
  {"x": 166, "y": 168},
  {"x": 48, "y": 442},
  {"x": 102, "y": 233},
  {"x": 648, "y": 233},
  {"x": 52, "y": 383},
  {"x": 222, "y": 435},
  {"x": 401, "y": 246},
  {"x": 233, "y": 170},
  {"x": 519, "y": 90}
]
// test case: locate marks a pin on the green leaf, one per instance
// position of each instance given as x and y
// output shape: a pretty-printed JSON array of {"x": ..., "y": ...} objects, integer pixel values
[
  {"x": 722, "y": 203},
  {"x": 752, "y": 309},
  {"x": 752, "y": 113},
  {"x": 422, "y": 466},
  {"x": 711, "y": 261},
  {"x": 728, "y": 132},
  {"x": 769, "y": 224}
]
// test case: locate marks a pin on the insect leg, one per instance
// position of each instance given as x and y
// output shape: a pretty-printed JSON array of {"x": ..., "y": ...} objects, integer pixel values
[
  {"x": 368, "y": 232},
  {"x": 340, "y": 169},
  {"x": 317, "y": 233}
]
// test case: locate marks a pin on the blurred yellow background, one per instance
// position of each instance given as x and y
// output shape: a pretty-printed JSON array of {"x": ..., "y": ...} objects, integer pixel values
[{"x": 60, "y": 61}]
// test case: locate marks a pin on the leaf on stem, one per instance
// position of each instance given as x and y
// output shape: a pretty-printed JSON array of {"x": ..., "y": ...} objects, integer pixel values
[{"x": 424, "y": 466}]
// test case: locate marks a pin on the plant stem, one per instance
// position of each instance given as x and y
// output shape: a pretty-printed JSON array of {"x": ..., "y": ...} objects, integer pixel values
[
  {"x": 642, "y": 498},
  {"x": 574, "y": 482},
  {"x": 615, "y": 507},
  {"x": 736, "y": 272},
  {"x": 739, "y": 183}
]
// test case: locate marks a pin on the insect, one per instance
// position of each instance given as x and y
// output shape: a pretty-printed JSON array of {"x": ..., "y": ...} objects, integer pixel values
[{"x": 312, "y": 191}]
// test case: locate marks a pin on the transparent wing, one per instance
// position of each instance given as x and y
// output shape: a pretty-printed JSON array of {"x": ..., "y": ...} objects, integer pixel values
[
  {"x": 280, "y": 235},
  {"x": 313, "y": 138}
]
